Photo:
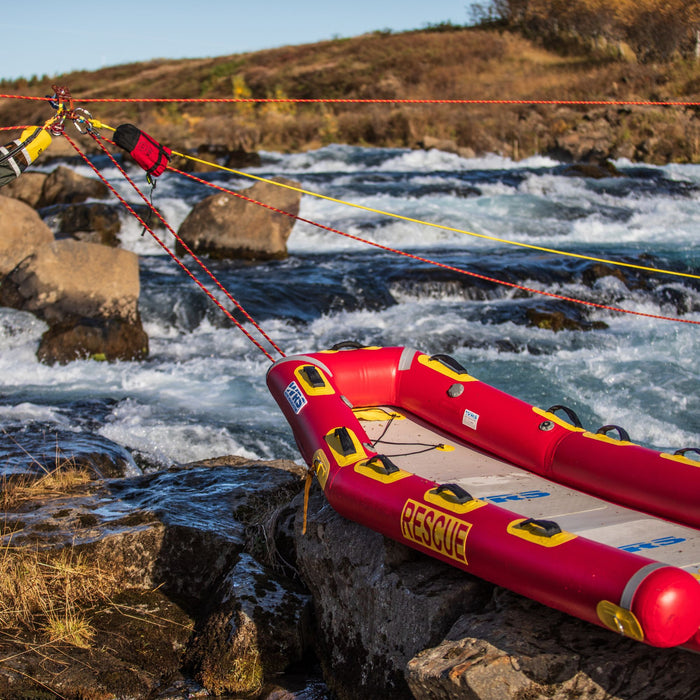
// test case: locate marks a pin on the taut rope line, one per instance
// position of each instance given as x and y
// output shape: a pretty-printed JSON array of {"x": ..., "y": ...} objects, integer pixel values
[
  {"x": 187, "y": 271},
  {"x": 363, "y": 100},
  {"x": 397, "y": 251}
]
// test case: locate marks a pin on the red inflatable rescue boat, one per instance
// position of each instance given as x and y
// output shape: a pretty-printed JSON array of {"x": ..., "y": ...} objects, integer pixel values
[{"x": 417, "y": 449}]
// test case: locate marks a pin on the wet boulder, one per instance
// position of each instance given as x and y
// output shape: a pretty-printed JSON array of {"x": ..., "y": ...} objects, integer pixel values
[
  {"x": 65, "y": 186},
  {"x": 394, "y": 623},
  {"x": 378, "y": 603},
  {"x": 92, "y": 222},
  {"x": 193, "y": 597},
  {"x": 109, "y": 339},
  {"x": 557, "y": 320},
  {"x": 88, "y": 294},
  {"x": 225, "y": 226},
  {"x": 260, "y": 623},
  {"x": 22, "y": 233},
  {"x": 94, "y": 455}
]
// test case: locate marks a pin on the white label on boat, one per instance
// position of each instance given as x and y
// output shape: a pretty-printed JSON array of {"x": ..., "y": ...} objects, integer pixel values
[
  {"x": 296, "y": 398},
  {"x": 470, "y": 419}
]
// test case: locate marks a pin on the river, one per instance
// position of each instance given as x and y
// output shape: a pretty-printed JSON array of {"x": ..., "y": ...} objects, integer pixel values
[{"x": 202, "y": 393}]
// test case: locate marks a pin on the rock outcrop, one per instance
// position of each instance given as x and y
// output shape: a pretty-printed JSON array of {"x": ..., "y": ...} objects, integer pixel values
[
  {"x": 210, "y": 586},
  {"x": 87, "y": 293},
  {"x": 65, "y": 186},
  {"x": 193, "y": 596},
  {"x": 225, "y": 226},
  {"x": 22, "y": 233},
  {"x": 394, "y": 623}
]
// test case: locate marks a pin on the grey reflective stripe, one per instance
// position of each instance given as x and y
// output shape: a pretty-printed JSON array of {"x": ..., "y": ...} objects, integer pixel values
[
  {"x": 636, "y": 580},
  {"x": 27, "y": 157},
  {"x": 11, "y": 162},
  {"x": 406, "y": 359},
  {"x": 304, "y": 358}
]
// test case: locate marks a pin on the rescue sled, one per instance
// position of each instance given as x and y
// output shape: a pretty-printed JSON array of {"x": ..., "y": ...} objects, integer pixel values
[{"x": 414, "y": 447}]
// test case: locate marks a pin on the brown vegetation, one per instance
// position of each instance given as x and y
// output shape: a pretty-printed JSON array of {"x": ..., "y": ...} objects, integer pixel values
[
  {"x": 453, "y": 63},
  {"x": 46, "y": 594},
  {"x": 654, "y": 29}
]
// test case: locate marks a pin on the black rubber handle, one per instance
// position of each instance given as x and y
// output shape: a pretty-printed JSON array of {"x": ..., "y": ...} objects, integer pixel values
[
  {"x": 450, "y": 363},
  {"x": 622, "y": 434},
  {"x": 570, "y": 414},
  {"x": 461, "y": 495}
]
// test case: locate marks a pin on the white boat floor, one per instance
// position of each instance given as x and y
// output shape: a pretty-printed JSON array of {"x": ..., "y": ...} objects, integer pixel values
[{"x": 411, "y": 444}]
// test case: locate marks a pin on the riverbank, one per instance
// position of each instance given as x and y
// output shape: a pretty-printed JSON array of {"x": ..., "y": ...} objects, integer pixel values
[
  {"x": 201, "y": 582},
  {"x": 449, "y": 63}
]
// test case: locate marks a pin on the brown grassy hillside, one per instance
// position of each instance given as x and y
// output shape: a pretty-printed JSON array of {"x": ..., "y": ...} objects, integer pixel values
[{"x": 454, "y": 63}]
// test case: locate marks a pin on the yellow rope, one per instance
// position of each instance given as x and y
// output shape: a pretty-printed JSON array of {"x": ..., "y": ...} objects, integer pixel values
[
  {"x": 381, "y": 212},
  {"x": 307, "y": 489}
]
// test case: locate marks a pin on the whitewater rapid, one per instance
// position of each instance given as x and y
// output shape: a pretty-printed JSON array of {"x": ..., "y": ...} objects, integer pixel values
[{"x": 201, "y": 393}]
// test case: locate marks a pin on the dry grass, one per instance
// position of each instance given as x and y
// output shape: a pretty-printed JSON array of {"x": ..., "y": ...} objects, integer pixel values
[
  {"x": 464, "y": 63},
  {"x": 50, "y": 593},
  {"x": 59, "y": 479},
  {"x": 46, "y": 592}
]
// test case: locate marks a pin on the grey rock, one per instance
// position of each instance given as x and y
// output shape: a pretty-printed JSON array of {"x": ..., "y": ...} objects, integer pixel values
[
  {"x": 22, "y": 233},
  {"x": 225, "y": 226}
]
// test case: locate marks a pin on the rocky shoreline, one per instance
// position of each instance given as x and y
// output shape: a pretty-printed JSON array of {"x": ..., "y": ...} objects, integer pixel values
[
  {"x": 212, "y": 590},
  {"x": 202, "y": 583}
]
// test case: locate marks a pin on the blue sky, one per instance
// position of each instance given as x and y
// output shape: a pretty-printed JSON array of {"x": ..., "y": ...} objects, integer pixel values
[{"x": 52, "y": 37}]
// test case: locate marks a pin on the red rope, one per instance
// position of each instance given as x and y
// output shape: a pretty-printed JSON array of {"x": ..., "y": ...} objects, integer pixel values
[
  {"x": 434, "y": 262},
  {"x": 179, "y": 239},
  {"x": 168, "y": 251},
  {"x": 359, "y": 100}
]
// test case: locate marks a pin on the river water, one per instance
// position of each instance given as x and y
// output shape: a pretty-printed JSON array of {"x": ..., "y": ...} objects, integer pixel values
[{"x": 202, "y": 393}]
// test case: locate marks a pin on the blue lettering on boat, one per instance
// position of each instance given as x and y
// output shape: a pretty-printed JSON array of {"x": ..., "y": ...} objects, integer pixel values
[
  {"x": 652, "y": 544},
  {"x": 522, "y": 496},
  {"x": 294, "y": 395}
]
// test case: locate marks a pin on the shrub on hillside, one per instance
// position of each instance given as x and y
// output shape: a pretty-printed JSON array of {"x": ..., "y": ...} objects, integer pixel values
[{"x": 654, "y": 29}]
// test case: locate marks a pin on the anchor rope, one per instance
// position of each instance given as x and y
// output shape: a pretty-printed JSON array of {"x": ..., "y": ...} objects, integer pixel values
[
  {"x": 184, "y": 244},
  {"x": 162, "y": 244},
  {"x": 369, "y": 100},
  {"x": 445, "y": 266}
]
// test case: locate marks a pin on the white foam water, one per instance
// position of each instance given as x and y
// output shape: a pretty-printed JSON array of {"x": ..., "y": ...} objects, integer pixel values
[{"x": 201, "y": 393}]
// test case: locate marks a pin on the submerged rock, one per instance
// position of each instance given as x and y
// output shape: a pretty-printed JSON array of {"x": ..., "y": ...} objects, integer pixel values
[
  {"x": 224, "y": 226},
  {"x": 556, "y": 320},
  {"x": 594, "y": 170}
]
